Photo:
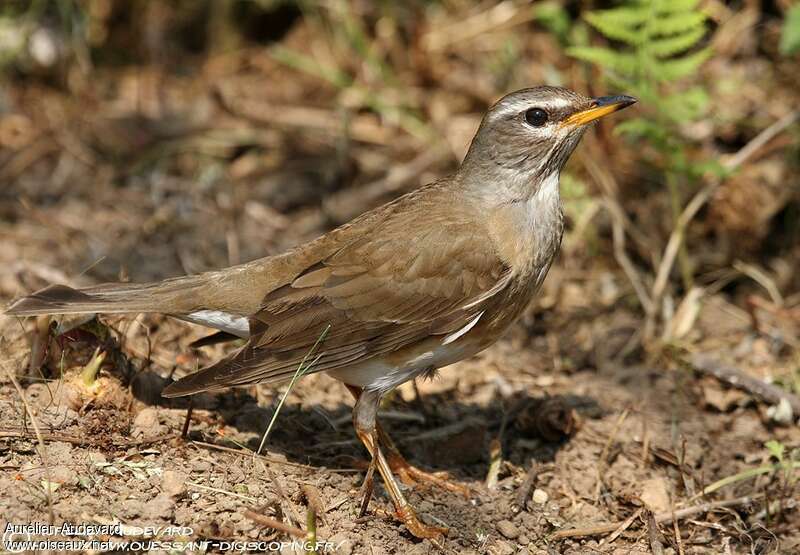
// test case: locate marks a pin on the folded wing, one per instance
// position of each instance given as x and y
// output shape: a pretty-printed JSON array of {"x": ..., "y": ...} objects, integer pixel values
[{"x": 374, "y": 294}]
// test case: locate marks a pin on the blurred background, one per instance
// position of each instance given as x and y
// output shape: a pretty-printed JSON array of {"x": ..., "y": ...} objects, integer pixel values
[{"x": 145, "y": 139}]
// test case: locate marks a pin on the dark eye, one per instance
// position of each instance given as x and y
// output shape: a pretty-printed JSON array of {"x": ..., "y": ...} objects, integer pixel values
[{"x": 536, "y": 117}]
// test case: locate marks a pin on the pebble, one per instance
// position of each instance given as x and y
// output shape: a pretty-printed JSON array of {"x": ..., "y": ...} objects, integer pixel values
[
  {"x": 63, "y": 475},
  {"x": 201, "y": 466},
  {"x": 133, "y": 508},
  {"x": 503, "y": 548},
  {"x": 146, "y": 423},
  {"x": 508, "y": 529},
  {"x": 173, "y": 483},
  {"x": 160, "y": 507},
  {"x": 540, "y": 496}
]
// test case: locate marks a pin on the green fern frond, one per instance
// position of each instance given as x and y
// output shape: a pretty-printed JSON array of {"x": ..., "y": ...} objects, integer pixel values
[
  {"x": 679, "y": 23},
  {"x": 620, "y": 24},
  {"x": 656, "y": 36},
  {"x": 673, "y": 6},
  {"x": 670, "y": 46},
  {"x": 619, "y": 62},
  {"x": 678, "y": 68}
]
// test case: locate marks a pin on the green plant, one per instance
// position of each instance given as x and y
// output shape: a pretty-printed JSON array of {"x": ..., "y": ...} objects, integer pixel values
[
  {"x": 790, "y": 34},
  {"x": 655, "y": 49},
  {"x": 657, "y": 41}
]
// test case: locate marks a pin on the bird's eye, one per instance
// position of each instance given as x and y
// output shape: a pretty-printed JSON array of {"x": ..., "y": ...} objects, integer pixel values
[{"x": 536, "y": 117}]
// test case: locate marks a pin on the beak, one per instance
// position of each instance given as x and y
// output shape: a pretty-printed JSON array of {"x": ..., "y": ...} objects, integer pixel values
[{"x": 599, "y": 107}]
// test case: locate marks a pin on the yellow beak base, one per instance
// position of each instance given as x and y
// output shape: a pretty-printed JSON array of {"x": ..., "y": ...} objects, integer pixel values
[{"x": 600, "y": 107}]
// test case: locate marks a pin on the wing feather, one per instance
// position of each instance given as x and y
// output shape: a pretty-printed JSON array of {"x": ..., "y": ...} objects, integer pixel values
[{"x": 375, "y": 292}]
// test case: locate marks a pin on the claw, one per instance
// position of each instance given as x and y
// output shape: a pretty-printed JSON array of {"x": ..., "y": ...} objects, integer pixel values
[{"x": 419, "y": 529}]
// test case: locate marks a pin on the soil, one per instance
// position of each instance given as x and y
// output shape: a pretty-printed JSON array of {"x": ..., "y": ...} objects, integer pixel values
[
  {"x": 566, "y": 424},
  {"x": 636, "y": 437}
]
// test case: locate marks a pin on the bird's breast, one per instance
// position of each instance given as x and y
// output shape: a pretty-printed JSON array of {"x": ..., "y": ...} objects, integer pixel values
[{"x": 527, "y": 232}]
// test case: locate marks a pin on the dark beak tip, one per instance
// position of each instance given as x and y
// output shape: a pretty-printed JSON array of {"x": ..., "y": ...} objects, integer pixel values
[{"x": 622, "y": 100}]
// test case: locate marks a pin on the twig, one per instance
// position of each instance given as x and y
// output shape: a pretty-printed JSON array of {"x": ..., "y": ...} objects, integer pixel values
[
  {"x": 291, "y": 513},
  {"x": 652, "y": 532},
  {"x": 248, "y": 453},
  {"x": 620, "y": 227},
  {"x": 601, "y": 463},
  {"x": 759, "y": 276},
  {"x": 662, "y": 518},
  {"x": 695, "y": 204},
  {"x": 678, "y": 541},
  {"x": 521, "y": 499},
  {"x": 222, "y": 491},
  {"x": 360, "y": 129},
  {"x": 274, "y": 524},
  {"x": 42, "y": 447},
  {"x": 760, "y": 140},
  {"x": 624, "y": 526},
  {"x": 736, "y": 378}
]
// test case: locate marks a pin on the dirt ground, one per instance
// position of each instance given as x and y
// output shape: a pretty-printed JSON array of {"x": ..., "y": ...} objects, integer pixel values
[
  {"x": 117, "y": 455},
  {"x": 571, "y": 437}
]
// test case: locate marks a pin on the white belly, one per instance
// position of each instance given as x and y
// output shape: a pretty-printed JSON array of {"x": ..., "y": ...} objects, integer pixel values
[{"x": 377, "y": 375}]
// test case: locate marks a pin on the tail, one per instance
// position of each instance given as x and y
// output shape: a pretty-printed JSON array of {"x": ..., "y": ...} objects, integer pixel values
[
  {"x": 172, "y": 296},
  {"x": 198, "y": 382}
]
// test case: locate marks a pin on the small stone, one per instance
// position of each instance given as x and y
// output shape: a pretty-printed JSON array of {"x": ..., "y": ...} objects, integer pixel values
[
  {"x": 781, "y": 413},
  {"x": 160, "y": 507},
  {"x": 146, "y": 423},
  {"x": 508, "y": 529},
  {"x": 655, "y": 495},
  {"x": 201, "y": 466},
  {"x": 503, "y": 548},
  {"x": 63, "y": 475},
  {"x": 540, "y": 496},
  {"x": 133, "y": 507},
  {"x": 173, "y": 483}
]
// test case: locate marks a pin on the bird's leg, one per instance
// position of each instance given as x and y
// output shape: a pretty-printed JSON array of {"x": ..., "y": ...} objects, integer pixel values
[
  {"x": 364, "y": 412},
  {"x": 409, "y": 474},
  {"x": 367, "y": 487}
]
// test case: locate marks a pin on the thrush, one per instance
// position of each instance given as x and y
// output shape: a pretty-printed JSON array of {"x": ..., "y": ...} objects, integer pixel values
[{"x": 424, "y": 281}]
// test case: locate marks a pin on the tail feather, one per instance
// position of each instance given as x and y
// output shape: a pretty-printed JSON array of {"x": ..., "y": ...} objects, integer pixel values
[
  {"x": 197, "y": 382},
  {"x": 173, "y": 296}
]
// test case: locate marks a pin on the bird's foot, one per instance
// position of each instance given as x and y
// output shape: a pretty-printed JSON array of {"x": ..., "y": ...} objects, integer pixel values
[
  {"x": 413, "y": 476},
  {"x": 419, "y": 529}
]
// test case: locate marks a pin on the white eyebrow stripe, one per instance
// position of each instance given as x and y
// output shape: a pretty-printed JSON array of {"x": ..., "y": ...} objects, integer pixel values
[{"x": 516, "y": 106}]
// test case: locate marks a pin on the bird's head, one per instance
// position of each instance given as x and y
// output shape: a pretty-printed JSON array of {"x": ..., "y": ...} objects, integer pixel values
[{"x": 528, "y": 135}]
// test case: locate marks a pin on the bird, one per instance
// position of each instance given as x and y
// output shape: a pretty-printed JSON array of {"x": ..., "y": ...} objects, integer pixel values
[{"x": 426, "y": 280}]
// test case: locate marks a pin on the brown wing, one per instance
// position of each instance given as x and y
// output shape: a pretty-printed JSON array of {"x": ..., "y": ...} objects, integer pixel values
[{"x": 389, "y": 288}]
